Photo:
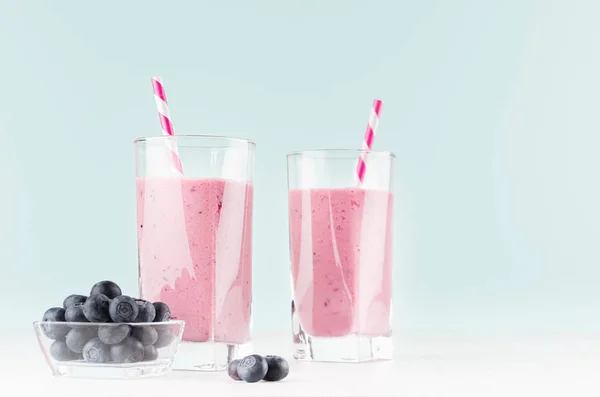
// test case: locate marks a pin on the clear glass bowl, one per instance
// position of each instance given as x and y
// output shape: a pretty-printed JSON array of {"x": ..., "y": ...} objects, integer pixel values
[{"x": 109, "y": 350}]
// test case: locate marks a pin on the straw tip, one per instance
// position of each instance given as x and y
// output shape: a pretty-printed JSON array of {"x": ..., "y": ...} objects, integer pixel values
[
  {"x": 377, "y": 105},
  {"x": 157, "y": 78}
]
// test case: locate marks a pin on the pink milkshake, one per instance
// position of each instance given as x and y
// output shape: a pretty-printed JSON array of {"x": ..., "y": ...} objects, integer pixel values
[
  {"x": 195, "y": 249},
  {"x": 341, "y": 254}
]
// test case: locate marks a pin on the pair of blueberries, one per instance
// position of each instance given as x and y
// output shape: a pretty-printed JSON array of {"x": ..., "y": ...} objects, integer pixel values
[{"x": 255, "y": 368}]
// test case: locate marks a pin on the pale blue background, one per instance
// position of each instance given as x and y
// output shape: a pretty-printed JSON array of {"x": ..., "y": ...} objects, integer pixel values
[{"x": 490, "y": 106}]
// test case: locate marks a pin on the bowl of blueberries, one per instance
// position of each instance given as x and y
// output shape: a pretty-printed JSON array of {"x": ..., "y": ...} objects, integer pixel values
[{"x": 109, "y": 335}]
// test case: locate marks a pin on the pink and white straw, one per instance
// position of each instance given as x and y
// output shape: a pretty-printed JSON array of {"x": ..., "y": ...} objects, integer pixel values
[
  {"x": 165, "y": 121},
  {"x": 361, "y": 168}
]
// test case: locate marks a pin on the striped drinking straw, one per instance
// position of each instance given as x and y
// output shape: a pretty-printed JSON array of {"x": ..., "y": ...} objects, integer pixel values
[
  {"x": 368, "y": 141},
  {"x": 165, "y": 122}
]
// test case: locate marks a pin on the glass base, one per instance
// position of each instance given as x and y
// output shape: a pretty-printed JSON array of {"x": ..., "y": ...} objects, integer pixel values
[
  {"x": 351, "y": 348},
  {"x": 208, "y": 356},
  {"x": 80, "y": 369}
]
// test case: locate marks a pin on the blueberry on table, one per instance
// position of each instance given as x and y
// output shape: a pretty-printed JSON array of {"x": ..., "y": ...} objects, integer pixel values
[
  {"x": 73, "y": 300},
  {"x": 60, "y": 352},
  {"x": 130, "y": 350},
  {"x": 146, "y": 311},
  {"x": 94, "y": 351},
  {"x": 108, "y": 288},
  {"x": 163, "y": 313},
  {"x": 78, "y": 337},
  {"x": 165, "y": 337},
  {"x": 123, "y": 309},
  {"x": 150, "y": 353},
  {"x": 232, "y": 370},
  {"x": 55, "y": 331},
  {"x": 74, "y": 314},
  {"x": 252, "y": 368},
  {"x": 95, "y": 308},
  {"x": 113, "y": 334},
  {"x": 278, "y": 368},
  {"x": 146, "y": 335}
]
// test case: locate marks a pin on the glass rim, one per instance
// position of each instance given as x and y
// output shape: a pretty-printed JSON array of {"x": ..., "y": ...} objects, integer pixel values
[
  {"x": 97, "y": 324},
  {"x": 150, "y": 138},
  {"x": 324, "y": 152}
]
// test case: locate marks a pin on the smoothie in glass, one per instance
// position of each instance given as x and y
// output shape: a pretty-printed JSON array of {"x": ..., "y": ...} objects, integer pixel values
[
  {"x": 187, "y": 230},
  {"x": 341, "y": 260},
  {"x": 340, "y": 231},
  {"x": 194, "y": 229}
]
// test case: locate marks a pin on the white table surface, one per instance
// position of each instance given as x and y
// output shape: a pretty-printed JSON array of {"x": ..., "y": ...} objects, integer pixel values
[{"x": 425, "y": 365}]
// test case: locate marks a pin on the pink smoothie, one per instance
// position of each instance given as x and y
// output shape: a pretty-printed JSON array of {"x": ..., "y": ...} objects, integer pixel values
[
  {"x": 341, "y": 253},
  {"x": 195, "y": 253}
]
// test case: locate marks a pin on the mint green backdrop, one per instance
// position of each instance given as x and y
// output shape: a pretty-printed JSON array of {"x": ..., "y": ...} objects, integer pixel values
[{"x": 490, "y": 106}]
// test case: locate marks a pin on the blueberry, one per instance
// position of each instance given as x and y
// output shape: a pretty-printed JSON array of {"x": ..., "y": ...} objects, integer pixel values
[
  {"x": 150, "y": 353},
  {"x": 60, "y": 352},
  {"x": 108, "y": 288},
  {"x": 165, "y": 337},
  {"x": 54, "y": 314},
  {"x": 130, "y": 350},
  {"x": 95, "y": 308},
  {"x": 123, "y": 309},
  {"x": 113, "y": 334},
  {"x": 232, "y": 370},
  {"x": 94, "y": 351},
  {"x": 146, "y": 335},
  {"x": 146, "y": 313},
  {"x": 73, "y": 300},
  {"x": 74, "y": 314},
  {"x": 55, "y": 331},
  {"x": 163, "y": 313},
  {"x": 278, "y": 368},
  {"x": 252, "y": 368},
  {"x": 78, "y": 337}
]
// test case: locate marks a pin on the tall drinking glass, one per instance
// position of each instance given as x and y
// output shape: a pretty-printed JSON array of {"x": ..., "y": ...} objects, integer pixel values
[
  {"x": 195, "y": 241},
  {"x": 341, "y": 255}
]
